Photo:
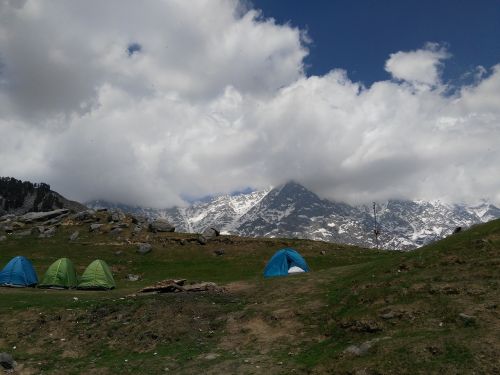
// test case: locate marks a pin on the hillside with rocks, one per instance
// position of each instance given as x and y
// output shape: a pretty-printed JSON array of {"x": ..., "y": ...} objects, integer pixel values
[
  {"x": 19, "y": 197},
  {"x": 184, "y": 304},
  {"x": 293, "y": 211}
]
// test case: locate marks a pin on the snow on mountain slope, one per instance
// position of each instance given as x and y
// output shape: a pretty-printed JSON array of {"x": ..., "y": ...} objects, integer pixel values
[{"x": 292, "y": 211}]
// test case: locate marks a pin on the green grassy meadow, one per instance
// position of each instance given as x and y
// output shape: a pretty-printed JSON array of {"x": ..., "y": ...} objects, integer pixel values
[{"x": 400, "y": 310}]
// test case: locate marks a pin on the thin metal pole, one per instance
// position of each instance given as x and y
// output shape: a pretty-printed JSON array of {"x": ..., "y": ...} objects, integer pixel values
[{"x": 376, "y": 232}]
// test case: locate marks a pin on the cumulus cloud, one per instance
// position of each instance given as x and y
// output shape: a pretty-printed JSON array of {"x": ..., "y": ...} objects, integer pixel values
[
  {"x": 144, "y": 104},
  {"x": 421, "y": 66}
]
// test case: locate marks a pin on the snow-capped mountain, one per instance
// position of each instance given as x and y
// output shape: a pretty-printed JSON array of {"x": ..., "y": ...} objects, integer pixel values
[{"x": 292, "y": 211}]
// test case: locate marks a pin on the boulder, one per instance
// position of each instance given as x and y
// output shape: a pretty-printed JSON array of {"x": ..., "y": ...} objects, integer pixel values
[
  {"x": 42, "y": 216},
  {"x": 144, "y": 248},
  {"x": 17, "y": 225},
  {"x": 6, "y": 361},
  {"x": 84, "y": 215},
  {"x": 35, "y": 231},
  {"x": 116, "y": 216},
  {"x": 116, "y": 231},
  {"x": 161, "y": 225},
  {"x": 210, "y": 233},
  {"x": 23, "y": 233},
  {"x": 95, "y": 227},
  {"x": 49, "y": 232},
  {"x": 202, "y": 240},
  {"x": 7, "y": 217},
  {"x": 74, "y": 235}
]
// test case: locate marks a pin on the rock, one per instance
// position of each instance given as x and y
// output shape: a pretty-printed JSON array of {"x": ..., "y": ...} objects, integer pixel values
[
  {"x": 42, "y": 216},
  {"x": 118, "y": 253},
  {"x": 7, "y": 217},
  {"x": 322, "y": 252},
  {"x": 364, "y": 347},
  {"x": 23, "y": 233},
  {"x": 132, "y": 277},
  {"x": 123, "y": 225},
  {"x": 467, "y": 318},
  {"x": 36, "y": 230},
  {"x": 161, "y": 225},
  {"x": 201, "y": 239},
  {"x": 219, "y": 252},
  {"x": 8, "y": 229},
  {"x": 49, "y": 232},
  {"x": 210, "y": 233},
  {"x": 211, "y": 356},
  {"x": 144, "y": 248},
  {"x": 84, "y": 215},
  {"x": 183, "y": 242},
  {"x": 95, "y": 227},
  {"x": 137, "y": 229},
  {"x": 116, "y": 216},
  {"x": 359, "y": 350},
  {"x": 74, "y": 236},
  {"x": 17, "y": 225},
  {"x": 457, "y": 230},
  {"x": 6, "y": 361},
  {"x": 136, "y": 219},
  {"x": 115, "y": 231},
  {"x": 2, "y": 238}
]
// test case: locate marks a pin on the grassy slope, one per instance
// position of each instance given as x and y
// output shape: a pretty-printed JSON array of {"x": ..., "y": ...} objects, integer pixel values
[{"x": 406, "y": 305}]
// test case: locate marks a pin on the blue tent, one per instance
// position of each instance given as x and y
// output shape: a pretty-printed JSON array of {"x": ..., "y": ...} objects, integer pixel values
[
  {"x": 18, "y": 272},
  {"x": 282, "y": 261}
]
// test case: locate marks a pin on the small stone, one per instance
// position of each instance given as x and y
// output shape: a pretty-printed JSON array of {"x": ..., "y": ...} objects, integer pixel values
[
  {"x": 467, "y": 318},
  {"x": 322, "y": 252},
  {"x": 144, "y": 248},
  {"x": 3, "y": 238},
  {"x": 219, "y": 252},
  {"x": 132, "y": 277},
  {"x": 211, "y": 356},
  {"x": 6, "y": 361},
  {"x": 74, "y": 236}
]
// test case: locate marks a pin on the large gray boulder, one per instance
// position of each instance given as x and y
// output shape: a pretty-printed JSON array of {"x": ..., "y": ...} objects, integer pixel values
[
  {"x": 161, "y": 225},
  {"x": 210, "y": 233},
  {"x": 42, "y": 216}
]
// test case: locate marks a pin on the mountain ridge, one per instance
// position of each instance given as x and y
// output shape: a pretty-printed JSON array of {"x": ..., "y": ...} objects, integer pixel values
[{"x": 291, "y": 210}]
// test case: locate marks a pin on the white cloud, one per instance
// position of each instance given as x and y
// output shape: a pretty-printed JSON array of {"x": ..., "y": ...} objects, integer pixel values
[
  {"x": 420, "y": 67},
  {"x": 216, "y": 100}
]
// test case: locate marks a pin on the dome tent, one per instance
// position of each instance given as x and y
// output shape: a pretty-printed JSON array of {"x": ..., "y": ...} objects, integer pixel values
[
  {"x": 284, "y": 262},
  {"x": 19, "y": 272},
  {"x": 60, "y": 274},
  {"x": 97, "y": 276}
]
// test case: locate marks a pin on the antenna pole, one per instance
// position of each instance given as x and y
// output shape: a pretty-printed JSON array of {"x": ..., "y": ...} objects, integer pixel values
[{"x": 376, "y": 232}]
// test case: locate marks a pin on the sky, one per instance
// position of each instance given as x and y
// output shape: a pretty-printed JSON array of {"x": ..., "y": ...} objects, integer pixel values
[{"x": 147, "y": 103}]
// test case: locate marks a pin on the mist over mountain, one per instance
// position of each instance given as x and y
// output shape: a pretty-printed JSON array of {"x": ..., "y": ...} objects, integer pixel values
[{"x": 291, "y": 210}]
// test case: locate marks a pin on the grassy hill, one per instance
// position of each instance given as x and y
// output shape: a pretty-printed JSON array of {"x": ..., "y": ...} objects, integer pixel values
[{"x": 434, "y": 310}]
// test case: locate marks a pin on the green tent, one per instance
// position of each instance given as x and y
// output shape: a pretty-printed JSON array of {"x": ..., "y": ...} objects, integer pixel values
[
  {"x": 97, "y": 276},
  {"x": 61, "y": 274}
]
